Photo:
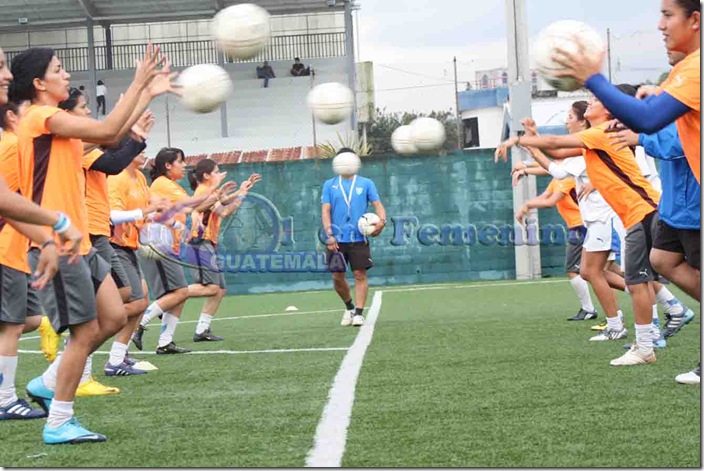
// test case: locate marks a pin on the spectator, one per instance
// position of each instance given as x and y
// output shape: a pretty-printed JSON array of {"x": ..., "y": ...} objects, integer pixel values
[
  {"x": 298, "y": 69},
  {"x": 265, "y": 72},
  {"x": 100, "y": 92},
  {"x": 82, "y": 88}
]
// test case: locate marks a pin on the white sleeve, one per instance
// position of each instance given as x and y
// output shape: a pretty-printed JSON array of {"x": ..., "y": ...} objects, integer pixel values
[
  {"x": 120, "y": 217},
  {"x": 558, "y": 171}
]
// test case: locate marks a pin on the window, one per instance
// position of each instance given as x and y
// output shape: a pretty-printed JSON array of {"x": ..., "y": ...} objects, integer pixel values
[{"x": 471, "y": 132}]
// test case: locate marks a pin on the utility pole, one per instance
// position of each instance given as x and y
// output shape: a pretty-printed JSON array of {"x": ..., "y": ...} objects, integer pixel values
[
  {"x": 457, "y": 109},
  {"x": 608, "y": 50}
]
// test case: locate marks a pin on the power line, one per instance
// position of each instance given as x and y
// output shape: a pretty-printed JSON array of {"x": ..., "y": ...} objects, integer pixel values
[
  {"x": 413, "y": 73},
  {"x": 413, "y": 87}
]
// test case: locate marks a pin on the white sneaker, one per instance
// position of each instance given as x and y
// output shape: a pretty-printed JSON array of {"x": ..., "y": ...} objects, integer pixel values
[
  {"x": 347, "y": 318},
  {"x": 635, "y": 356},
  {"x": 610, "y": 334},
  {"x": 690, "y": 377},
  {"x": 358, "y": 321}
]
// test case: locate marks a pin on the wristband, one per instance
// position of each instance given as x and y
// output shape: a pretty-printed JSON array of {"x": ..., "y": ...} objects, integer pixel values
[
  {"x": 240, "y": 198},
  {"x": 47, "y": 243},
  {"x": 63, "y": 224}
]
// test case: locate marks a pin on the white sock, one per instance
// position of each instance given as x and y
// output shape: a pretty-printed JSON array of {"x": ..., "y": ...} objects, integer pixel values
[
  {"x": 168, "y": 327},
  {"x": 620, "y": 315},
  {"x": 614, "y": 323},
  {"x": 60, "y": 412},
  {"x": 154, "y": 310},
  {"x": 8, "y": 369},
  {"x": 669, "y": 302},
  {"x": 655, "y": 311},
  {"x": 625, "y": 290},
  {"x": 87, "y": 369},
  {"x": 644, "y": 335},
  {"x": 582, "y": 289},
  {"x": 49, "y": 376},
  {"x": 117, "y": 353},
  {"x": 203, "y": 323}
]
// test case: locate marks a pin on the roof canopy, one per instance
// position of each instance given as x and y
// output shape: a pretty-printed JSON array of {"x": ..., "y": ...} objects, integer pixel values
[{"x": 44, "y": 14}]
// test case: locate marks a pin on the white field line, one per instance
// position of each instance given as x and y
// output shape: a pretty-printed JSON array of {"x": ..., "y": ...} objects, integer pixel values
[
  {"x": 480, "y": 285},
  {"x": 223, "y": 352},
  {"x": 255, "y": 316},
  {"x": 331, "y": 433}
]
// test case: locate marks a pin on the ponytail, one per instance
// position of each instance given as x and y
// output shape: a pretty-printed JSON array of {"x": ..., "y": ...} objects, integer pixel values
[
  {"x": 195, "y": 176},
  {"x": 167, "y": 155},
  {"x": 192, "y": 179}
]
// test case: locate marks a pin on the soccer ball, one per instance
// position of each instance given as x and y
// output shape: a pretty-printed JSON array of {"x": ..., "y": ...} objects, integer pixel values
[
  {"x": 566, "y": 35},
  {"x": 155, "y": 241},
  {"x": 242, "y": 31},
  {"x": 402, "y": 141},
  {"x": 205, "y": 87},
  {"x": 346, "y": 164},
  {"x": 427, "y": 133},
  {"x": 331, "y": 103},
  {"x": 366, "y": 223}
]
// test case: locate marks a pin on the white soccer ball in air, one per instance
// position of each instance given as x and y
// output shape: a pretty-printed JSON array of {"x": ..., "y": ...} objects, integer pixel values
[
  {"x": 402, "y": 141},
  {"x": 205, "y": 87},
  {"x": 242, "y": 31},
  {"x": 428, "y": 134},
  {"x": 346, "y": 164},
  {"x": 366, "y": 223},
  {"x": 566, "y": 35},
  {"x": 331, "y": 103}
]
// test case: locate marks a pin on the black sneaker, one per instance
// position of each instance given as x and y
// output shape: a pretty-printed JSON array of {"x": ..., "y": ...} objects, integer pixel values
[
  {"x": 206, "y": 336},
  {"x": 676, "y": 322},
  {"x": 171, "y": 349},
  {"x": 137, "y": 338},
  {"x": 583, "y": 315}
]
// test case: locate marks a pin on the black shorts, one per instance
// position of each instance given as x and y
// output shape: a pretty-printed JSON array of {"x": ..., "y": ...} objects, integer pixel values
[
  {"x": 684, "y": 241},
  {"x": 639, "y": 241},
  {"x": 355, "y": 254}
]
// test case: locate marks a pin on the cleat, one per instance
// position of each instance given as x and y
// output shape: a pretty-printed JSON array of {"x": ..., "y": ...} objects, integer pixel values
[
  {"x": 39, "y": 393},
  {"x": 123, "y": 369},
  {"x": 137, "y": 338},
  {"x": 50, "y": 340},
  {"x": 170, "y": 349},
  {"x": 583, "y": 315},
  {"x": 358, "y": 321},
  {"x": 691, "y": 377},
  {"x": 635, "y": 356},
  {"x": 20, "y": 410},
  {"x": 347, "y": 318},
  {"x": 206, "y": 336},
  {"x": 610, "y": 334},
  {"x": 675, "y": 322},
  {"x": 129, "y": 360},
  {"x": 72, "y": 433},
  {"x": 93, "y": 388},
  {"x": 145, "y": 366},
  {"x": 599, "y": 327}
]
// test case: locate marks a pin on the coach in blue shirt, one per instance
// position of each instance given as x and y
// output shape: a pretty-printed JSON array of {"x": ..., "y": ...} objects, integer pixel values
[
  {"x": 676, "y": 251},
  {"x": 345, "y": 199}
]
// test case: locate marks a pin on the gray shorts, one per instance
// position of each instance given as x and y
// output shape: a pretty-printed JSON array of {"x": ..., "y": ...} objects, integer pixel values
[
  {"x": 163, "y": 275},
  {"x": 573, "y": 256},
  {"x": 15, "y": 302},
  {"x": 69, "y": 298},
  {"x": 208, "y": 271},
  {"x": 639, "y": 241},
  {"x": 102, "y": 244},
  {"x": 128, "y": 259}
]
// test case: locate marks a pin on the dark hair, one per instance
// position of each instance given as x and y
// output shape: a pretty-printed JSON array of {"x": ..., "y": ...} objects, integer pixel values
[
  {"x": 72, "y": 101},
  {"x": 627, "y": 88},
  {"x": 689, "y": 6},
  {"x": 579, "y": 108},
  {"x": 27, "y": 66},
  {"x": 100, "y": 82},
  {"x": 167, "y": 155},
  {"x": 4, "y": 109},
  {"x": 195, "y": 176},
  {"x": 81, "y": 88},
  {"x": 297, "y": 59},
  {"x": 345, "y": 149}
]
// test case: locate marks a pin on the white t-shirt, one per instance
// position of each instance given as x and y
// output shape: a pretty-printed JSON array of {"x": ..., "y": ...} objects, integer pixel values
[
  {"x": 101, "y": 90},
  {"x": 647, "y": 165},
  {"x": 594, "y": 207}
]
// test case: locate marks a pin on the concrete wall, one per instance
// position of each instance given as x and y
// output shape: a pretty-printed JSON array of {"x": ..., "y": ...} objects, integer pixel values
[{"x": 434, "y": 195}]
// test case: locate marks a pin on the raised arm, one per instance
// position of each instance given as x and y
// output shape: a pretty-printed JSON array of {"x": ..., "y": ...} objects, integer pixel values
[{"x": 549, "y": 142}]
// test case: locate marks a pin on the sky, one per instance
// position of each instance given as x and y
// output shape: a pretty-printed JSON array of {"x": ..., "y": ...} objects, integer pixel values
[{"x": 412, "y": 42}]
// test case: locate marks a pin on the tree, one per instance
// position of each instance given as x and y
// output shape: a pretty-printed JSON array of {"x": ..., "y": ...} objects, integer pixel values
[{"x": 385, "y": 123}]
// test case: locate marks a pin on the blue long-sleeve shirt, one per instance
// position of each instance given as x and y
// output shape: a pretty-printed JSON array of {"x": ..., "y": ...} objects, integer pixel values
[{"x": 680, "y": 205}]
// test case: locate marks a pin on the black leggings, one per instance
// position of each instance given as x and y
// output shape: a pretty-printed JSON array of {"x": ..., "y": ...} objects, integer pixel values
[{"x": 101, "y": 103}]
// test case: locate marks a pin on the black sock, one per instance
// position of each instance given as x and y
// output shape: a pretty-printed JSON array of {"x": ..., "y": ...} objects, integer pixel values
[
  {"x": 349, "y": 305},
  {"x": 359, "y": 311}
]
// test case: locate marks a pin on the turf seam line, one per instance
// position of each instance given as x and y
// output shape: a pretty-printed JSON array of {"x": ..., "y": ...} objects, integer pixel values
[
  {"x": 481, "y": 285},
  {"x": 331, "y": 433},
  {"x": 222, "y": 352}
]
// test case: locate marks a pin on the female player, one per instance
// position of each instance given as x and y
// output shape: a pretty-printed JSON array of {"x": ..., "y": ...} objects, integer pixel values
[
  {"x": 83, "y": 298},
  {"x": 210, "y": 281},
  {"x": 617, "y": 177},
  {"x": 165, "y": 275}
]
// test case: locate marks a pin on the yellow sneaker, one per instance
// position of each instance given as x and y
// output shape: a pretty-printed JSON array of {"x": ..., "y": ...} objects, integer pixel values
[
  {"x": 93, "y": 388},
  {"x": 600, "y": 326},
  {"x": 50, "y": 340}
]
